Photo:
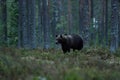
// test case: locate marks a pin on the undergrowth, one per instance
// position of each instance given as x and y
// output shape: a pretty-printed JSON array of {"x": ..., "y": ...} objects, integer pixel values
[{"x": 87, "y": 64}]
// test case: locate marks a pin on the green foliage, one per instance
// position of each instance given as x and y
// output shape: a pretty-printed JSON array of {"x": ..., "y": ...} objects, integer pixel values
[
  {"x": 117, "y": 53},
  {"x": 87, "y": 64},
  {"x": 63, "y": 23},
  {"x": 13, "y": 24},
  {"x": 10, "y": 65}
]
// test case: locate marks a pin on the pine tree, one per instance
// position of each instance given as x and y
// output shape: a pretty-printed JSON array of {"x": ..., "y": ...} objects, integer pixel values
[
  {"x": 3, "y": 23},
  {"x": 45, "y": 24},
  {"x": 114, "y": 26}
]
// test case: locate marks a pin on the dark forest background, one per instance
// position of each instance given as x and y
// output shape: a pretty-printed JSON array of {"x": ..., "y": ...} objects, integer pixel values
[
  {"x": 27, "y": 39},
  {"x": 34, "y": 23}
]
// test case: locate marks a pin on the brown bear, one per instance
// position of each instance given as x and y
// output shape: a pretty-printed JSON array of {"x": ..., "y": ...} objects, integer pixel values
[{"x": 68, "y": 42}]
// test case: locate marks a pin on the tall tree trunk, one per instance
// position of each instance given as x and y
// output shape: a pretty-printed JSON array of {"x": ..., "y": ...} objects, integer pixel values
[
  {"x": 92, "y": 40},
  {"x": 92, "y": 6},
  {"x": 103, "y": 24},
  {"x": 39, "y": 33},
  {"x": 54, "y": 18},
  {"x": 81, "y": 6},
  {"x": 85, "y": 20},
  {"x": 70, "y": 24},
  {"x": 119, "y": 24},
  {"x": 19, "y": 23},
  {"x": 22, "y": 27},
  {"x": 114, "y": 26},
  {"x": 90, "y": 17},
  {"x": 31, "y": 24},
  {"x": 106, "y": 22},
  {"x": 45, "y": 24},
  {"x": 4, "y": 21}
]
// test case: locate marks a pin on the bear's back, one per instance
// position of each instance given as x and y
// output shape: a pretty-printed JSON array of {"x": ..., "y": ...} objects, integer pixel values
[{"x": 77, "y": 41}]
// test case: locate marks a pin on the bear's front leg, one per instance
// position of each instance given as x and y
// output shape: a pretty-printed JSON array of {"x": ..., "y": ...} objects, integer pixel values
[{"x": 64, "y": 49}]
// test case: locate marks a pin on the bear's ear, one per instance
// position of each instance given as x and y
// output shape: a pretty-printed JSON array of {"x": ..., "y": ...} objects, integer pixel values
[{"x": 61, "y": 36}]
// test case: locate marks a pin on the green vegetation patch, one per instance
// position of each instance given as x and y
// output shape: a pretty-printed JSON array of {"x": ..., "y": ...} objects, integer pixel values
[{"x": 87, "y": 64}]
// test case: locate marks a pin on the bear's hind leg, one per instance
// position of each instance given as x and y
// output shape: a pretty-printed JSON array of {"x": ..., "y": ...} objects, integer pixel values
[{"x": 66, "y": 50}]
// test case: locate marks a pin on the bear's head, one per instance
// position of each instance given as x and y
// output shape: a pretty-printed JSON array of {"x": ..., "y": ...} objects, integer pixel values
[{"x": 61, "y": 39}]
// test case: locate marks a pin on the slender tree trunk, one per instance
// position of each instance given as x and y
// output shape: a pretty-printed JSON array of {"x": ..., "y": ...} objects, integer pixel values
[
  {"x": 28, "y": 23},
  {"x": 90, "y": 17},
  {"x": 92, "y": 40},
  {"x": 92, "y": 6},
  {"x": 114, "y": 26},
  {"x": 4, "y": 21},
  {"x": 85, "y": 20},
  {"x": 54, "y": 19},
  {"x": 39, "y": 34},
  {"x": 119, "y": 24},
  {"x": 106, "y": 22},
  {"x": 22, "y": 28},
  {"x": 70, "y": 24},
  {"x": 59, "y": 5},
  {"x": 45, "y": 24},
  {"x": 81, "y": 2},
  {"x": 23, "y": 40},
  {"x": 31, "y": 24},
  {"x": 101, "y": 24},
  {"x": 103, "y": 27},
  {"x": 24, "y": 25}
]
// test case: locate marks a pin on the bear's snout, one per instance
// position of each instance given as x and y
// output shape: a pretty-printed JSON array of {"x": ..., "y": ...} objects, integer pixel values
[{"x": 56, "y": 42}]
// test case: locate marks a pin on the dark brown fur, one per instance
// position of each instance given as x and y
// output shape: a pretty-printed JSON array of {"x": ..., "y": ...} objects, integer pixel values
[{"x": 68, "y": 42}]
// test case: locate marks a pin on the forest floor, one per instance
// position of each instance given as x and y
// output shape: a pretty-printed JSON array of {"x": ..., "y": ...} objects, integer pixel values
[{"x": 87, "y": 64}]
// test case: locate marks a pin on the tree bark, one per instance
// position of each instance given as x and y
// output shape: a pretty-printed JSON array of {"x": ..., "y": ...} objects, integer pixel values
[
  {"x": 31, "y": 24},
  {"x": 114, "y": 26},
  {"x": 81, "y": 6},
  {"x": 4, "y": 21},
  {"x": 22, "y": 28},
  {"x": 39, "y": 33},
  {"x": 70, "y": 23},
  {"x": 45, "y": 24},
  {"x": 85, "y": 20}
]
